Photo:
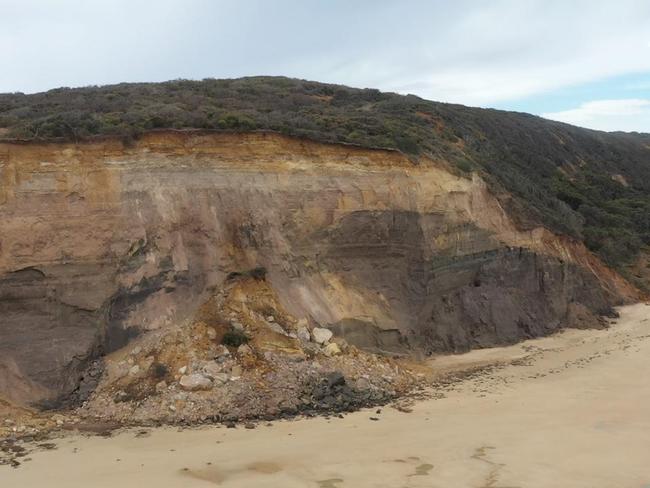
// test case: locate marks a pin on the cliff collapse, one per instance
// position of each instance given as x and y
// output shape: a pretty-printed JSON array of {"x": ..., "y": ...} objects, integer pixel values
[{"x": 101, "y": 242}]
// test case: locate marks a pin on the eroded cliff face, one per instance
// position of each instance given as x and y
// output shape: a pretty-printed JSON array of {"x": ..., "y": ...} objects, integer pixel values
[{"x": 101, "y": 242}]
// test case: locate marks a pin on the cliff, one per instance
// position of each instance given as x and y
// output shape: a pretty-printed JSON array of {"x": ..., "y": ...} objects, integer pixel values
[
  {"x": 102, "y": 241},
  {"x": 590, "y": 185}
]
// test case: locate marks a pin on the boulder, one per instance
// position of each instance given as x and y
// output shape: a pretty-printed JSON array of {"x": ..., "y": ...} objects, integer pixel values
[
  {"x": 362, "y": 384},
  {"x": 220, "y": 378},
  {"x": 244, "y": 350},
  {"x": 221, "y": 352},
  {"x": 332, "y": 349},
  {"x": 303, "y": 334},
  {"x": 236, "y": 371},
  {"x": 335, "y": 378},
  {"x": 213, "y": 370},
  {"x": 321, "y": 335},
  {"x": 196, "y": 381}
]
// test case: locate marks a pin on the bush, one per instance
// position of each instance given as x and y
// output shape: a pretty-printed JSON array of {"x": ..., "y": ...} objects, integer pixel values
[
  {"x": 258, "y": 273},
  {"x": 464, "y": 165},
  {"x": 159, "y": 370},
  {"x": 234, "y": 338}
]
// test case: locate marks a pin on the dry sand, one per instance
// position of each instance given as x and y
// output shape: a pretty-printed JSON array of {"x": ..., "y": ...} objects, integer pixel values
[{"x": 573, "y": 410}]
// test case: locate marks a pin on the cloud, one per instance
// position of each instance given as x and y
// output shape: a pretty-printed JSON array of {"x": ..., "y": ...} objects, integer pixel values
[
  {"x": 630, "y": 114},
  {"x": 481, "y": 53},
  {"x": 502, "y": 51},
  {"x": 466, "y": 51}
]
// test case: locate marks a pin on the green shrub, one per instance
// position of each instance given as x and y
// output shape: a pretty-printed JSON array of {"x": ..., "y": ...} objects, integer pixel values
[
  {"x": 464, "y": 165},
  {"x": 234, "y": 338},
  {"x": 159, "y": 370}
]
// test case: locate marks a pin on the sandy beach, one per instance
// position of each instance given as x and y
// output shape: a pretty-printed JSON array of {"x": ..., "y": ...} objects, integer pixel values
[{"x": 569, "y": 410}]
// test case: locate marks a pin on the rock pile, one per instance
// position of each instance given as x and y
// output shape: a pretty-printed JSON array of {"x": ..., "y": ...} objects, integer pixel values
[{"x": 242, "y": 357}]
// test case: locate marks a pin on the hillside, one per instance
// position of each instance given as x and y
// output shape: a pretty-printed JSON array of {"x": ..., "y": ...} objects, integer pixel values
[{"x": 589, "y": 185}]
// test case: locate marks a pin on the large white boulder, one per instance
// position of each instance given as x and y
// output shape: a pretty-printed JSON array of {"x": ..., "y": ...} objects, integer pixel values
[{"x": 321, "y": 335}]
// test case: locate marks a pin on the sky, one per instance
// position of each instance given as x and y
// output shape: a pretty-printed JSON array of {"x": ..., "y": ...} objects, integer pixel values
[{"x": 586, "y": 63}]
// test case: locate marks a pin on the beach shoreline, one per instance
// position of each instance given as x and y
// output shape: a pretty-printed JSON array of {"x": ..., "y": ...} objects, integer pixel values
[{"x": 565, "y": 410}]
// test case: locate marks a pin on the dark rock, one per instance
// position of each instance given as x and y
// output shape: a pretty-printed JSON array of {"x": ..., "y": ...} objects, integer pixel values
[{"x": 335, "y": 379}]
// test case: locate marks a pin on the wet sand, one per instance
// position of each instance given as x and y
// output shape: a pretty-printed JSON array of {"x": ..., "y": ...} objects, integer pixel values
[{"x": 572, "y": 410}]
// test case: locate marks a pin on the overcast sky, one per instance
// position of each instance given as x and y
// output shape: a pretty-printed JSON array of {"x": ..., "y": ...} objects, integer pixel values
[{"x": 582, "y": 62}]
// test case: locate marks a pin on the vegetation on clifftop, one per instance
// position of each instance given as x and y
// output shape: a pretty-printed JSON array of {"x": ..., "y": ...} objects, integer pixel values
[{"x": 590, "y": 185}]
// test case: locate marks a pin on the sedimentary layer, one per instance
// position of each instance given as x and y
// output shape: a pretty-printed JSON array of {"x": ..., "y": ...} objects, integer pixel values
[{"x": 100, "y": 242}]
